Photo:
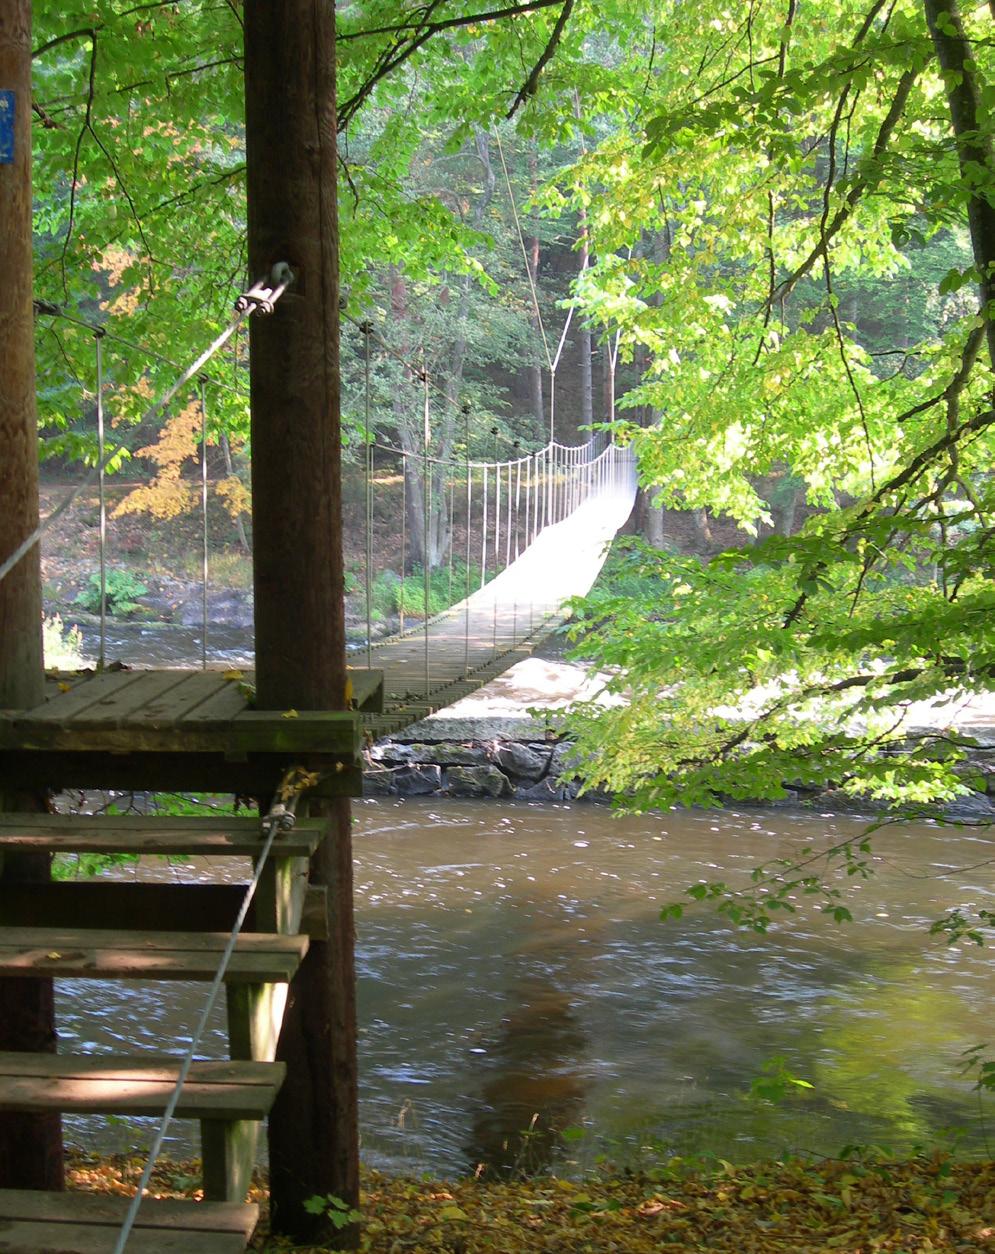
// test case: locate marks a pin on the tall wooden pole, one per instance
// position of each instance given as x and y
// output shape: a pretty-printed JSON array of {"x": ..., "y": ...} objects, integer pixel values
[
  {"x": 30, "y": 1145},
  {"x": 298, "y": 565}
]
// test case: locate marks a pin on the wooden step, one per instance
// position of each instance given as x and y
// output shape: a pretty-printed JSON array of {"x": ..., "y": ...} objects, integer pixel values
[
  {"x": 140, "y": 1085},
  {"x": 88, "y": 1223},
  {"x": 229, "y": 1099},
  {"x": 99, "y": 954},
  {"x": 128, "y": 833}
]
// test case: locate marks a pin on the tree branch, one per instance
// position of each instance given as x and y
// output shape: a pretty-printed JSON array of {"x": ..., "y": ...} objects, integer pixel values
[
  {"x": 494, "y": 15},
  {"x": 531, "y": 84},
  {"x": 844, "y": 213},
  {"x": 91, "y": 88},
  {"x": 86, "y": 32}
]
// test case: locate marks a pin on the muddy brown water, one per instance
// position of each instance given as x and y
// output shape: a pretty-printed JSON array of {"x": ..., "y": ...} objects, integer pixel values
[{"x": 515, "y": 982}]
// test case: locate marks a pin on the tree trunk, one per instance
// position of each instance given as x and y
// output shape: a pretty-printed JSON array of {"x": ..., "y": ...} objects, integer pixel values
[
  {"x": 585, "y": 346},
  {"x": 243, "y": 539},
  {"x": 607, "y": 378},
  {"x": 532, "y": 261},
  {"x": 653, "y": 523},
  {"x": 30, "y": 1145},
  {"x": 298, "y": 566},
  {"x": 703, "y": 527},
  {"x": 974, "y": 147}
]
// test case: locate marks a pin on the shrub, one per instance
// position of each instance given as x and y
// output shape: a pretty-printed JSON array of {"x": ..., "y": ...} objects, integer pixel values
[
  {"x": 122, "y": 589},
  {"x": 63, "y": 645}
]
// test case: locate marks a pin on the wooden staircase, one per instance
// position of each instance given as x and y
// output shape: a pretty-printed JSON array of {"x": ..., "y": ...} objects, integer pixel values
[{"x": 120, "y": 935}]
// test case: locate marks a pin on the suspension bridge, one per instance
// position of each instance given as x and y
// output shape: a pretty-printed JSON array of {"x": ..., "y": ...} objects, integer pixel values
[
  {"x": 543, "y": 559},
  {"x": 537, "y": 527}
]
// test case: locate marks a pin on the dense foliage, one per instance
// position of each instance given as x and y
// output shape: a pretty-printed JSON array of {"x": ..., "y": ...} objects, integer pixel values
[{"x": 796, "y": 237}]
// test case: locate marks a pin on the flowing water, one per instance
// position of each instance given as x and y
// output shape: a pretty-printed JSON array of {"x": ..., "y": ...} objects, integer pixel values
[
  {"x": 164, "y": 644},
  {"x": 515, "y": 981}
]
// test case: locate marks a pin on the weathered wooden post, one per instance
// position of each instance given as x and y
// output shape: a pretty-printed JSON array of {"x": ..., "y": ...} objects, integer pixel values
[
  {"x": 30, "y": 1145},
  {"x": 298, "y": 567}
]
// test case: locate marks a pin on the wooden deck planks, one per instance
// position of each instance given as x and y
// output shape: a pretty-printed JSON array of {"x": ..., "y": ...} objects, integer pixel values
[
  {"x": 81, "y": 692},
  {"x": 177, "y": 703},
  {"x": 181, "y": 712},
  {"x": 120, "y": 728},
  {"x": 126, "y": 703}
]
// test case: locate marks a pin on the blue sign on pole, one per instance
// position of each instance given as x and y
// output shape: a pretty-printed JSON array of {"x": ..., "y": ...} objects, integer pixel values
[{"x": 7, "y": 109}]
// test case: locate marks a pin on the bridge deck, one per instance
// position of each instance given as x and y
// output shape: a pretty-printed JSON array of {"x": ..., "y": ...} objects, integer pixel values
[{"x": 462, "y": 649}]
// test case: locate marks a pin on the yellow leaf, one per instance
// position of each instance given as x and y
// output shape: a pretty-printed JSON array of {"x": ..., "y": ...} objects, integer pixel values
[{"x": 290, "y": 714}]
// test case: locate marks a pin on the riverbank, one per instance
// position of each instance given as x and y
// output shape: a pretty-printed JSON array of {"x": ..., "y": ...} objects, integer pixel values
[
  {"x": 502, "y": 743},
  {"x": 871, "y": 1203}
]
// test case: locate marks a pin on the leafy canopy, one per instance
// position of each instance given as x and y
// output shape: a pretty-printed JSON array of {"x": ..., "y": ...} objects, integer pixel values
[{"x": 777, "y": 177}]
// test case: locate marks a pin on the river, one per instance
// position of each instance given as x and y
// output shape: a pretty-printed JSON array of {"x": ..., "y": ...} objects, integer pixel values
[{"x": 515, "y": 981}]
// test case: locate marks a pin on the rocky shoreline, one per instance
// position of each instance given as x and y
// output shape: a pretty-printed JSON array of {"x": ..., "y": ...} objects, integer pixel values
[
  {"x": 523, "y": 759},
  {"x": 497, "y": 758}
]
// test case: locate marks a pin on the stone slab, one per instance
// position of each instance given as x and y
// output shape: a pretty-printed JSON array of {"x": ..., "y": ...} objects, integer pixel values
[{"x": 464, "y": 730}]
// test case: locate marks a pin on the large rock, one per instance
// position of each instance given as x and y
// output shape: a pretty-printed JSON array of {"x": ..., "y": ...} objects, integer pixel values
[
  {"x": 836, "y": 801},
  {"x": 378, "y": 782},
  {"x": 443, "y": 754},
  {"x": 548, "y": 789},
  {"x": 230, "y": 606},
  {"x": 477, "y": 781},
  {"x": 564, "y": 758},
  {"x": 464, "y": 730},
  {"x": 521, "y": 762},
  {"x": 973, "y": 806},
  {"x": 417, "y": 781}
]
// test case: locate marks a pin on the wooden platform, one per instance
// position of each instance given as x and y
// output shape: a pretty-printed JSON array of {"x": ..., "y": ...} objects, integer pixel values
[
  {"x": 220, "y": 836},
  {"x": 175, "y": 729}
]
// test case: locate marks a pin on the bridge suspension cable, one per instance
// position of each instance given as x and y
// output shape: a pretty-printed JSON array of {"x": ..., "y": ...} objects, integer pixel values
[
  {"x": 260, "y": 297},
  {"x": 552, "y": 360}
]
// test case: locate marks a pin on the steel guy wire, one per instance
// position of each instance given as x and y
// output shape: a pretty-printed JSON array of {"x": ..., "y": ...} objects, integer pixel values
[{"x": 46, "y": 310}]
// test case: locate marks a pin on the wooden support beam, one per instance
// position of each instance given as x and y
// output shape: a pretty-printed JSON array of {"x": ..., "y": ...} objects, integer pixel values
[
  {"x": 125, "y": 906},
  {"x": 30, "y": 1144},
  {"x": 228, "y": 1153},
  {"x": 298, "y": 567},
  {"x": 167, "y": 772}
]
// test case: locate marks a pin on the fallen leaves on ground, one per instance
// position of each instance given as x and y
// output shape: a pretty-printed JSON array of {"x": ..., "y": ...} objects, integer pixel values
[{"x": 872, "y": 1206}]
